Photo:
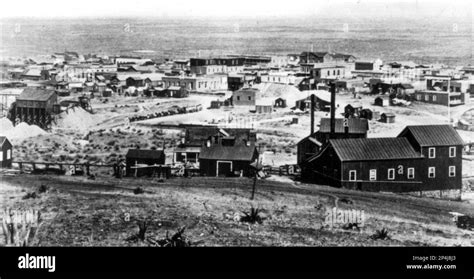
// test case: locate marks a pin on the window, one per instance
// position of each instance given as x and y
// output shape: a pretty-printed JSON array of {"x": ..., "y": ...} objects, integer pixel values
[
  {"x": 418, "y": 97},
  {"x": 250, "y": 98},
  {"x": 373, "y": 175},
  {"x": 427, "y": 98},
  {"x": 238, "y": 98},
  {"x": 352, "y": 175},
  {"x": 431, "y": 152},
  {"x": 452, "y": 171},
  {"x": 411, "y": 173},
  {"x": 434, "y": 98},
  {"x": 9, "y": 154},
  {"x": 431, "y": 172},
  {"x": 391, "y": 174},
  {"x": 452, "y": 152}
]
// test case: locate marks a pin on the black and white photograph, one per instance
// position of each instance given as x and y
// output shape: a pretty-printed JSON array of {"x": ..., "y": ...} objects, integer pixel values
[{"x": 247, "y": 123}]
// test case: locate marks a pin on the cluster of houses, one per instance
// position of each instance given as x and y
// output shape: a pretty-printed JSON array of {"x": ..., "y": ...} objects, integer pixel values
[
  {"x": 69, "y": 72},
  {"x": 421, "y": 158},
  {"x": 209, "y": 150},
  {"x": 338, "y": 154}
]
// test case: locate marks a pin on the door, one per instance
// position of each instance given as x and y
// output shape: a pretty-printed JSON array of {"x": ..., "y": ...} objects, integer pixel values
[{"x": 224, "y": 168}]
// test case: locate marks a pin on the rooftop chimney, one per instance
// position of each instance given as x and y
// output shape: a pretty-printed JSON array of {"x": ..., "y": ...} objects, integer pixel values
[
  {"x": 312, "y": 113},
  {"x": 333, "y": 109}
]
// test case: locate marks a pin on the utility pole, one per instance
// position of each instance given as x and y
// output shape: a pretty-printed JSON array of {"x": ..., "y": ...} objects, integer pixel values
[{"x": 449, "y": 101}]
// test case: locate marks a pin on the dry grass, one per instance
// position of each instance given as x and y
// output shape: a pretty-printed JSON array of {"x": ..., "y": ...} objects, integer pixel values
[{"x": 105, "y": 212}]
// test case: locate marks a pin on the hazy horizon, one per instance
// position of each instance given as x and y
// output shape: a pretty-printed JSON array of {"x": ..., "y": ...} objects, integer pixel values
[{"x": 460, "y": 9}]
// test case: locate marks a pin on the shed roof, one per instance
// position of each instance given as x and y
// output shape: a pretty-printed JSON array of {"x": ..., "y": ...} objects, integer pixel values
[
  {"x": 434, "y": 135},
  {"x": 364, "y": 149},
  {"x": 356, "y": 125},
  {"x": 233, "y": 153},
  {"x": 35, "y": 94},
  {"x": 145, "y": 154}
]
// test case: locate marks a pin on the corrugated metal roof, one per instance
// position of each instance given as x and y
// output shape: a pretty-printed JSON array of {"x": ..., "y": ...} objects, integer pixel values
[
  {"x": 364, "y": 149},
  {"x": 232, "y": 153},
  {"x": 35, "y": 94},
  {"x": 356, "y": 125},
  {"x": 434, "y": 135}
]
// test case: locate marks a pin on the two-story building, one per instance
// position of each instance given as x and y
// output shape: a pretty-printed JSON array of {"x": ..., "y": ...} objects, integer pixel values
[{"x": 421, "y": 158}]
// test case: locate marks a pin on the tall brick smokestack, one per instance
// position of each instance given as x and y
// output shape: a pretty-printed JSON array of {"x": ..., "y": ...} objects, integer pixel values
[
  {"x": 313, "y": 104},
  {"x": 333, "y": 109}
]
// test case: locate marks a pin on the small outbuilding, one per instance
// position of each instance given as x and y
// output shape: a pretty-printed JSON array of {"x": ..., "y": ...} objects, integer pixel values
[
  {"x": 382, "y": 101},
  {"x": 6, "y": 153},
  {"x": 387, "y": 117},
  {"x": 222, "y": 160}
]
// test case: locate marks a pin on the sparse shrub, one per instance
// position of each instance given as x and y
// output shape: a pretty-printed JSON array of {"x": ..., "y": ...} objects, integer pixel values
[
  {"x": 177, "y": 240},
  {"x": 380, "y": 234},
  {"x": 31, "y": 195},
  {"x": 138, "y": 191},
  {"x": 43, "y": 189},
  {"x": 140, "y": 236},
  {"x": 252, "y": 217}
]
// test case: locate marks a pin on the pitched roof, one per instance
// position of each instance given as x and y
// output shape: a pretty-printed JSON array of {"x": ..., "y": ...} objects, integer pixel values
[
  {"x": 434, "y": 135},
  {"x": 363, "y": 149},
  {"x": 233, "y": 153},
  {"x": 199, "y": 134},
  {"x": 356, "y": 125},
  {"x": 35, "y": 94},
  {"x": 145, "y": 154},
  {"x": 2, "y": 140}
]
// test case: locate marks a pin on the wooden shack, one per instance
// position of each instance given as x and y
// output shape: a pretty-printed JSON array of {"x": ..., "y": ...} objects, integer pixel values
[
  {"x": 222, "y": 160},
  {"x": 387, "y": 117},
  {"x": 6, "y": 153}
]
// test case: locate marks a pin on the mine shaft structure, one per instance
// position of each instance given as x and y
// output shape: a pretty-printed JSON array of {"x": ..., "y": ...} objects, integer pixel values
[{"x": 35, "y": 107}]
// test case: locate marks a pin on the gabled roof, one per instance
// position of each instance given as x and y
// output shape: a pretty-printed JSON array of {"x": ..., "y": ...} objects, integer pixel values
[
  {"x": 433, "y": 135},
  {"x": 35, "y": 94},
  {"x": 364, "y": 149},
  {"x": 356, "y": 125},
  {"x": 199, "y": 134},
  {"x": 2, "y": 140},
  {"x": 239, "y": 152},
  {"x": 145, "y": 154},
  {"x": 317, "y": 54}
]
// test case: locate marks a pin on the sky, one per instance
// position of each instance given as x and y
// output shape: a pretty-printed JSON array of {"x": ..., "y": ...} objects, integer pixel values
[{"x": 237, "y": 8}]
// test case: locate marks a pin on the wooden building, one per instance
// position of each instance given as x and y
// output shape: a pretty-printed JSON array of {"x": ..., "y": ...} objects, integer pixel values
[
  {"x": 35, "y": 106},
  {"x": 198, "y": 136},
  {"x": 382, "y": 101},
  {"x": 344, "y": 128},
  {"x": 245, "y": 97},
  {"x": 371, "y": 164},
  {"x": 227, "y": 160},
  {"x": 139, "y": 162},
  {"x": 387, "y": 117},
  {"x": 6, "y": 153},
  {"x": 421, "y": 158},
  {"x": 441, "y": 147},
  {"x": 177, "y": 92}
]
